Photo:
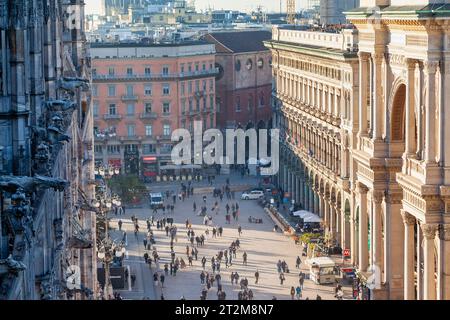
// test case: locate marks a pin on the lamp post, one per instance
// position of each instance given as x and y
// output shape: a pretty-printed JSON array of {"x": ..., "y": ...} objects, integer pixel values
[{"x": 105, "y": 202}]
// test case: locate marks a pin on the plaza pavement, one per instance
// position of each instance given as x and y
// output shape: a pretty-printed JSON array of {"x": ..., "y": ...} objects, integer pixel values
[{"x": 264, "y": 248}]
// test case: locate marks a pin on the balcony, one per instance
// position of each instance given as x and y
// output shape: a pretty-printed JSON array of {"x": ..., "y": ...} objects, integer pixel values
[
  {"x": 148, "y": 115},
  {"x": 129, "y": 97},
  {"x": 112, "y": 116},
  {"x": 131, "y": 138},
  {"x": 155, "y": 76}
]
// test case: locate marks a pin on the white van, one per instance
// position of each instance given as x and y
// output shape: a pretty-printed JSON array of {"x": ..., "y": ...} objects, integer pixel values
[{"x": 156, "y": 200}]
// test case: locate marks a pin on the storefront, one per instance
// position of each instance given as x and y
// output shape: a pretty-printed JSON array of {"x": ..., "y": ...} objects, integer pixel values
[
  {"x": 149, "y": 166},
  {"x": 115, "y": 163}
]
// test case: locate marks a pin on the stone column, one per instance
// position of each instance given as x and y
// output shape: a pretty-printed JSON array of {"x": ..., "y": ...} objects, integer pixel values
[
  {"x": 326, "y": 213},
  {"x": 306, "y": 196},
  {"x": 311, "y": 200},
  {"x": 377, "y": 106},
  {"x": 408, "y": 262},
  {"x": 430, "y": 111},
  {"x": 363, "y": 89},
  {"x": 418, "y": 266},
  {"x": 363, "y": 232},
  {"x": 302, "y": 191},
  {"x": 377, "y": 245},
  {"x": 332, "y": 227},
  {"x": 429, "y": 233},
  {"x": 410, "y": 147},
  {"x": 444, "y": 235}
]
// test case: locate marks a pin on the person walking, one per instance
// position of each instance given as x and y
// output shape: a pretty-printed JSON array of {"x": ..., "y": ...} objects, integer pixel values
[
  {"x": 145, "y": 243},
  {"x": 301, "y": 280},
  {"x": 240, "y": 230},
  {"x": 194, "y": 207},
  {"x": 256, "y": 277},
  {"x": 203, "y": 263},
  {"x": 292, "y": 293},
  {"x": 282, "y": 278},
  {"x": 120, "y": 224},
  {"x": 298, "y": 291},
  {"x": 155, "y": 279},
  {"x": 161, "y": 279},
  {"x": 244, "y": 258},
  {"x": 202, "y": 277},
  {"x": 298, "y": 262}
]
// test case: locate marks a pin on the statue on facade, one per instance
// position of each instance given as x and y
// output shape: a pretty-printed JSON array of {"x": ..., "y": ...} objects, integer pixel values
[
  {"x": 79, "y": 242},
  {"x": 59, "y": 233},
  {"x": 42, "y": 158},
  {"x": 60, "y": 105},
  {"x": 14, "y": 266},
  {"x": 31, "y": 184},
  {"x": 70, "y": 84}
]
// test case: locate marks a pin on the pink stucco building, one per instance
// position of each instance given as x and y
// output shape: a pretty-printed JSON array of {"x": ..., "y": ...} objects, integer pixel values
[{"x": 142, "y": 92}]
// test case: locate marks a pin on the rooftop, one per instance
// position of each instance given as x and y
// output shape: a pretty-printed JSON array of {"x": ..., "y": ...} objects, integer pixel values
[
  {"x": 139, "y": 44},
  {"x": 241, "y": 41}
]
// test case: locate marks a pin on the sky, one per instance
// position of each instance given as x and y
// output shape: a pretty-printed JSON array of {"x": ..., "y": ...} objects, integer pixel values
[{"x": 93, "y": 6}]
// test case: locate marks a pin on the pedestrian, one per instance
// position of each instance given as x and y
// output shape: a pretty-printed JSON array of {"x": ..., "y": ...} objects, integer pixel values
[
  {"x": 250, "y": 294},
  {"x": 146, "y": 257},
  {"x": 203, "y": 263},
  {"x": 244, "y": 258},
  {"x": 155, "y": 279},
  {"x": 282, "y": 278},
  {"x": 301, "y": 280},
  {"x": 240, "y": 230},
  {"x": 120, "y": 224},
  {"x": 145, "y": 243},
  {"x": 298, "y": 290},
  {"x": 202, "y": 277},
  {"x": 161, "y": 279},
  {"x": 256, "y": 276},
  {"x": 166, "y": 269},
  {"x": 190, "y": 260},
  {"x": 298, "y": 262}
]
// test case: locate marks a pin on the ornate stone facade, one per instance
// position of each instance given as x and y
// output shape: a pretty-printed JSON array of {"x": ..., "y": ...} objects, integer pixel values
[
  {"x": 395, "y": 172},
  {"x": 46, "y": 144}
]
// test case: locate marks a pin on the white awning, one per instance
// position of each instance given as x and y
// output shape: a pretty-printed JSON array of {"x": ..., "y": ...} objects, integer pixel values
[{"x": 307, "y": 216}]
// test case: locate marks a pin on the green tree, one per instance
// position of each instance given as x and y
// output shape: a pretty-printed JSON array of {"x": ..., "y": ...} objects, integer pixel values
[{"x": 129, "y": 188}]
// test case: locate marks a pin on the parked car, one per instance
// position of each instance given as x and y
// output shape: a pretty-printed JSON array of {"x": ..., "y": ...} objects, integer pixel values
[{"x": 252, "y": 195}]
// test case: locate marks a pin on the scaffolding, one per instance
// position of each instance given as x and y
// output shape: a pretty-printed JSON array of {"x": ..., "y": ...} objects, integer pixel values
[{"x": 290, "y": 18}]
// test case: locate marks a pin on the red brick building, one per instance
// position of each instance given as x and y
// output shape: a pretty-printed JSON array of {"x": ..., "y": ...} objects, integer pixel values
[{"x": 244, "y": 83}]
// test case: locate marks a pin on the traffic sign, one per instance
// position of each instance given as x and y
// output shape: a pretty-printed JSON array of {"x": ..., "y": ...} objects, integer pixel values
[{"x": 346, "y": 252}]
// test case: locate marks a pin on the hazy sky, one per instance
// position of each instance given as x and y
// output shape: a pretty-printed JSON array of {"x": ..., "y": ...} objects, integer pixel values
[{"x": 93, "y": 6}]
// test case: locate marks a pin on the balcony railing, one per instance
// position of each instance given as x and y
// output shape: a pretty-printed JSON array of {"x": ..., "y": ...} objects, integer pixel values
[
  {"x": 128, "y": 97},
  {"x": 153, "y": 76},
  {"x": 148, "y": 115},
  {"x": 112, "y": 116}
]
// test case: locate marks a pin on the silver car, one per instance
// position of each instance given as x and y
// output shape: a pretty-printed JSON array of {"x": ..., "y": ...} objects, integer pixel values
[{"x": 252, "y": 195}]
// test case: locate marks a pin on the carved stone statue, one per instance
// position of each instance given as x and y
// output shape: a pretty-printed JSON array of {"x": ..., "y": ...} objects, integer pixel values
[
  {"x": 52, "y": 135},
  {"x": 59, "y": 233},
  {"x": 79, "y": 242},
  {"x": 70, "y": 84},
  {"x": 42, "y": 158},
  {"x": 31, "y": 184},
  {"x": 60, "y": 105},
  {"x": 14, "y": 266}
]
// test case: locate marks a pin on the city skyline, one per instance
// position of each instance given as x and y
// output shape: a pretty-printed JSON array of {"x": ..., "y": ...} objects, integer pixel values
[{"x": 93, "y": 6}]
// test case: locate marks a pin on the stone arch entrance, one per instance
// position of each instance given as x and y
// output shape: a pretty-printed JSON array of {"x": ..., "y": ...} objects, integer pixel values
[{"x": 398, "y": 114}]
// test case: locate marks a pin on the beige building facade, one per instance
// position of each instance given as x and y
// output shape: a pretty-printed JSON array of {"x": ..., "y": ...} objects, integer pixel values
[{"x": 364, "y": 116}]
